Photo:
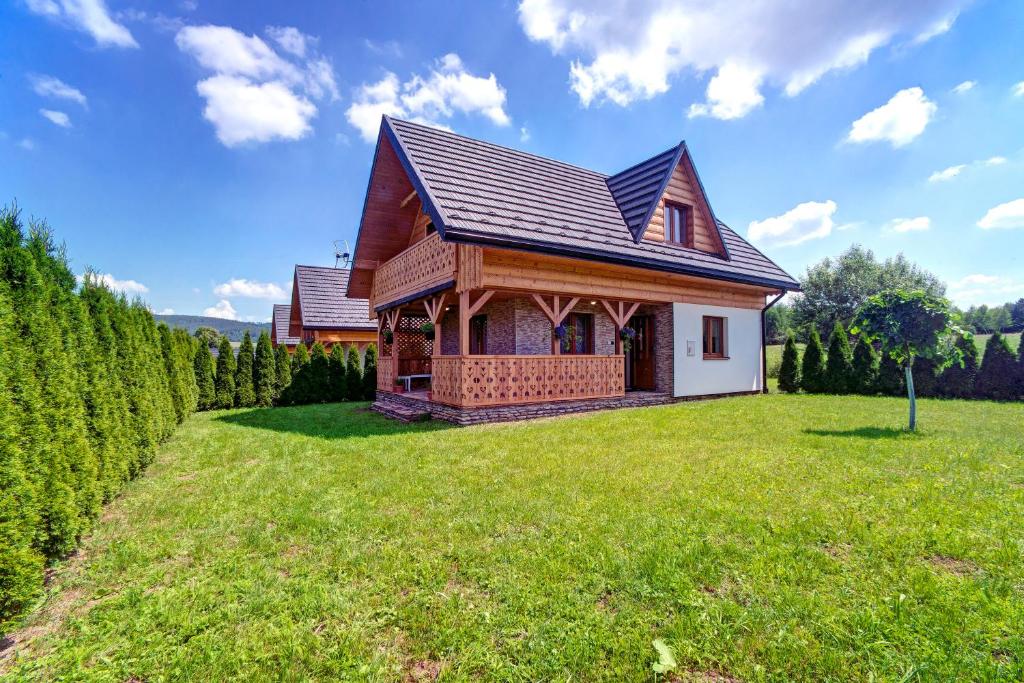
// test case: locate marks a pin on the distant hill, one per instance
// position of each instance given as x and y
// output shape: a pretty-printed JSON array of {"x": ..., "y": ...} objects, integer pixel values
[{"x": 232, "y": 329}]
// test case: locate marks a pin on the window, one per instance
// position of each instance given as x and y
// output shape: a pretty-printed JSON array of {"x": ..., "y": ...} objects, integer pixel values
[
  {"x": 581, "y": 326},
  {"x": 714, "y": 337},
  {"x": 677, "y": 223},
  {"x": 430, "y": 228},
  {"x": 478, "y": 335}
]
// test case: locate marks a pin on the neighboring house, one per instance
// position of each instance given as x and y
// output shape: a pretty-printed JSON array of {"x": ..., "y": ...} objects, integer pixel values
[
  {"x": 530, "y": 269},
  {"x": 321, "y": 311},
  {"x": 279, "y": 328}
]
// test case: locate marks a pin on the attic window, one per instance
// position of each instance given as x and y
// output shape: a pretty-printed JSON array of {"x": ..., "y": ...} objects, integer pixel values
[
  {"x": 677, "y": 223},
  {"x": 430, "y": 228}
]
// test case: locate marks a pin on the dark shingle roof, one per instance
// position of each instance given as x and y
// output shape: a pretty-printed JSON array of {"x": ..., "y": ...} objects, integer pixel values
[
  {"x": 487, "y": 194},
  {"x": 637, "y": 189},
  {"x": 282, "y": 314},
  {"x": 322, "y": 300}
]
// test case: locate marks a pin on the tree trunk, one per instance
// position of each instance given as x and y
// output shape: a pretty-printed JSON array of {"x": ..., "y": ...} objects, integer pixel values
[{"x": 911, "y": 396}]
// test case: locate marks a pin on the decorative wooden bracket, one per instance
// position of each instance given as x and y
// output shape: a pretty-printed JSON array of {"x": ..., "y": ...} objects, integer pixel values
[
  {"x": 622, "y": 316},
  {"x": 393, "y": 316},
  {"x": 475, "y": 307},
  {"x": 556, "y": 315},
  {"x": 467, "y": 309},
  {"x": 408, "y": 198},
  {"x": 435, "y": 307}
]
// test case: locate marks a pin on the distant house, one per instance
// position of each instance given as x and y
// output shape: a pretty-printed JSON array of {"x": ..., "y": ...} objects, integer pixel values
[
  {"x": 552, "y": 288},
  {"x": 322, "y": 312},
  {"x": 279, "y": 328}
]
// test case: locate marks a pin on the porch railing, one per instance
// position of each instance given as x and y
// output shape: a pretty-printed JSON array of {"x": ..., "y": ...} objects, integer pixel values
[
  {"x": 385, "y": 380},
  {"x": 471, "y": 381},
  {"x": 428, "y": 263}
]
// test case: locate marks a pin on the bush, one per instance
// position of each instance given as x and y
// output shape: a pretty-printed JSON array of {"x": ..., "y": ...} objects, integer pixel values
[
  {"x": 203, "y": 368},
  {"x": 839, "y": 377},
  {"x": 264, "y": 372},
  {"x": 957, "y": 381},
  {"x": 245, "y": 394},
  {"x": 299, "y": 358},
  {"x": 1020, "y": 364},
  {"x": 997, "y": 378},
  {"x": 812, "y": 371},
  {"x": 865, "y": 368},
  {"x": 225, "y": 380},
  {"x": 789, "y": 372},
  {"x": 370, "y": 373},
  {"x": 336, "y": 378},
  {"x": 926, "y": 380},
  {"x": 891, "y": 378},
  {"x": 353, "y": 375},
  {"x": 283, "y": 367}
]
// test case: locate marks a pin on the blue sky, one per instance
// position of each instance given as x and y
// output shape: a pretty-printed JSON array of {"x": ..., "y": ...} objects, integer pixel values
[{"x": 194, "y": 151}]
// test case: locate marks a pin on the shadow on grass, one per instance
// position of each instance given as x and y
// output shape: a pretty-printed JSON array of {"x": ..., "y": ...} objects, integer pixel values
[
  {"x": 863, "y": 432},
  {"x": 327, "y": 421}
]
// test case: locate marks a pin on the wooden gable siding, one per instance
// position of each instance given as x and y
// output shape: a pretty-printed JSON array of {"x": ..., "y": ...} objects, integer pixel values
[
  {"x": 684, "y": 189},
  {"x": 520, "y": 271},
  {"x": 419, "y": 225}
]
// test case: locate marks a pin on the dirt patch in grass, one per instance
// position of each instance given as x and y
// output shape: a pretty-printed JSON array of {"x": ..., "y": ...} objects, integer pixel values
[
  {"x": 954, "y": 565},
  {"x": 423, "y": 670},
  {"x": 706, "y": 676}
]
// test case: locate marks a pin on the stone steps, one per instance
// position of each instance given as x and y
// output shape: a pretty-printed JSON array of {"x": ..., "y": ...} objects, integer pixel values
[{"x": 400, "y": 412}]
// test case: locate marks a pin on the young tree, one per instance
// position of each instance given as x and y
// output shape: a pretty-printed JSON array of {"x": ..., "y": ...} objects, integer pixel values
[
  {"x": 283, "y": 364},
  {"x": 1020, "y": 367},
  {"x": 353, "y": 375},
  {"x": 370, "y": 373},
  {"x": 225, "y": 381},
  {"x": 908, "y": 325},
  {"x": 207, "y": 336},
  {"x": 1017, "y": 315},
  {"x": 318, "y": 368},
  {"x": 245, "y": 394},
  {"x": 812, "y": 371},
  {"x": 778, "y": 322},
  {"x": 299, "y": 358},
  {"x": 789, "y": 373},
  {"x": 997, "y": 378},
  {"x": 336, "y": 381},
  {"x": 203, "y": 368},
  {"x": 264, "y": 372},
  {"x": 839, "y": 377},
  {"x": 957, "y": 381},
  {"x": 865, "y": 368}
]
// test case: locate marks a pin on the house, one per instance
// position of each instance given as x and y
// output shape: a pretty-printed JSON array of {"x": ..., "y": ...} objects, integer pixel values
[
  {"x": 552, "y": 288},
  {"x": 321, "y": 312},
  {"x": 279, "y": 323}
]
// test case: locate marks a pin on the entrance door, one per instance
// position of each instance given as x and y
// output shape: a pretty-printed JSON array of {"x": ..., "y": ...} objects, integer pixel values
[{"x": 640, "y": 359}]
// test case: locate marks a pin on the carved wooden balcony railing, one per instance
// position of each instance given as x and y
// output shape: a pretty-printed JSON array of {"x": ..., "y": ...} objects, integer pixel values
[
  {"x": 385, "y": 380},
  {"x": 472, "y": 381},
  {"x": 426, "y": 264}
]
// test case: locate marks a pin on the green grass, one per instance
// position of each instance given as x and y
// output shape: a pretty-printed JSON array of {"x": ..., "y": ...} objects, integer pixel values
[
  {"x": 766, "y": 538},
  {"x": 774, "y": 351}
]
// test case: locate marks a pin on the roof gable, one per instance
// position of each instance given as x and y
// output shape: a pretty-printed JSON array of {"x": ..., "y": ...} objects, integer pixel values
[
  {"x": 281, "y": 321},
  {"x": 638, "y": 189},
  {"x": 319, "y": 301}
]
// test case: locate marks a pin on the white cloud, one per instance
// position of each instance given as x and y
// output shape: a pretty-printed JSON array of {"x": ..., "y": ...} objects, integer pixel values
[
  {"x": 524, "y": 134},
  {"x": 900, "y": 120},
  {"x": 918, "y": 224},
  {"x": 946, "y": 173},
  {"x": 1018, "y": 89},
  {"x": 995, "y": 161},
  {"x": 222, "y": 309},
  {"x": 732, "y": 93},
  {"x": 112, "y": 283},
  {"x": 58, "y": 118},
  {"x": 166, "y": 311},
  {"x": 255, "y": 94},
  {"x": 250, "y": 289},
  {"x": 964, "y": 87},
  {"x": 91, "y": 16},
  {"x": 448, "y": 88},
  {"x": 27, "y": 144},
  {"x": 980, "y": 288},
  {"x": 807, "y": 221},
  {"x": 389, "y": 48},
  {"x": 48, "y": 86},
  {"x": 1008, "y": 215},
  {"x": 627, "y": 51}
]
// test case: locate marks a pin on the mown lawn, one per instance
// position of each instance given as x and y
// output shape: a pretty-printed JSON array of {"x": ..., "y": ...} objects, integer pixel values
[{"x": 762, "y": 538}]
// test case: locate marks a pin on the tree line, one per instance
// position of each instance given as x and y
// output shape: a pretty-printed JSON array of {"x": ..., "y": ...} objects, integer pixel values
[
  {"x": 861, "y": 369},
  {"x": 89, "y": 386},
  {"x": 264, "y": 376}
]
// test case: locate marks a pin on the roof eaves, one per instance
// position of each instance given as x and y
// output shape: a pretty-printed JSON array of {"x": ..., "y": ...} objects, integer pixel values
[{"x": 430, "y": 203}]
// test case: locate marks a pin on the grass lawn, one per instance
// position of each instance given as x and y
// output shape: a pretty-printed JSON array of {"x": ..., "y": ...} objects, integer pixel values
[{"x": 762, "y": 538}]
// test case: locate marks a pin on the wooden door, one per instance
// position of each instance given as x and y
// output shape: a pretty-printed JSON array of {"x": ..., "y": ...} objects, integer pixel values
[{"x": 640, "y": 359}]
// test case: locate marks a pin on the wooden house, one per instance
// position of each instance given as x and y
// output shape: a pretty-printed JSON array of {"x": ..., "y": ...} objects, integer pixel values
[
  {"x": 279, "y": 323},
  {"x": 321, "y": 312},
  {"x": 551, "y": 288}
]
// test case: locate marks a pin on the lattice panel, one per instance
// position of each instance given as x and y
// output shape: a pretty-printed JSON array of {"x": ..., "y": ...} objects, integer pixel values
[
  {"x": 385, "y": 380},
  {"x": 425, "y": 264},
  {"x": 505, "y": 380},
  {"x": 410, "y": 340}
]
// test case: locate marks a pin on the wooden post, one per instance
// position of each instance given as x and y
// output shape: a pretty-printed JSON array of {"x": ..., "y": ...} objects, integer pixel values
[
  {"x": 435, "y": 309},
  {"x": 464, "y": 323},
  {"x": 556, "y": 315},
  {"x": 620, "y": 317}
]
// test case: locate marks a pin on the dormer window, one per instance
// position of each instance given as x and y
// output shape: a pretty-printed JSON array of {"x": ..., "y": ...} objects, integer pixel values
[{"x": 677, "y": 221}]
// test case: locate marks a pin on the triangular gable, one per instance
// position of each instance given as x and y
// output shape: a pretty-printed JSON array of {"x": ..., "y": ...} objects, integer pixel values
[
  {"x": 295, "y": 318},
  {"x": 641, "y": 192}
]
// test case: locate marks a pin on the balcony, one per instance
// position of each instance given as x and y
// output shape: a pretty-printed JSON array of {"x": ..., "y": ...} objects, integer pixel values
[{"x": 428, "y": 263}]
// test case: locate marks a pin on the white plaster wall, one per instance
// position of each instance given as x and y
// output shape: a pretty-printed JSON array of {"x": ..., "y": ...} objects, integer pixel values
[{"x": 741, "y": 371}]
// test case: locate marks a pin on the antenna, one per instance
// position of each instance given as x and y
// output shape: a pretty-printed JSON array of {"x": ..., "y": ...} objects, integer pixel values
[{"x": 341, "y": 255}]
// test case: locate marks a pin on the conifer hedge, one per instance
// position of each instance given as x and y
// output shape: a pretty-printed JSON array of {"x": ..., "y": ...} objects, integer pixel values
[{"x": 89, "y": 385}]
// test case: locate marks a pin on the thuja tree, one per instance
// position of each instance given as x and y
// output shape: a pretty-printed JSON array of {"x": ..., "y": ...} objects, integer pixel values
[
  {"x": 812, "y": 371},
  {"x": 957, "y": 381},
  {"x": 997, "y": 378},
  {"x": 225, "y": 381},
  {"x": 865, "y": 368},
  {"x": 370, "y": 372},
  {"x": 909, "y": 325},
  {"x": 337, "y": 385},
  {"x": 264, "y": 372},
  {"x": 789, "y": 373},
  {"x": 245, "y": 395},
  {"x": 353, "y": 375},
  {"x": 299, "y": 358},
  {"x": 203, "y": 369},
  {"x": 316, "y": 384},
  {"x": 1020, "y": 363},
  {"x": 283, "y": 368},
  {"x": 839, "y": 377}
]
